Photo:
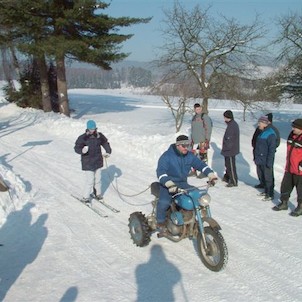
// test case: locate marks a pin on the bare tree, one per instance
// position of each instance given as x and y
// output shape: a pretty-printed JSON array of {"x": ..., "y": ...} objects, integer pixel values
[
  {"x": 290, "y": 40},
  {"x": 199, "y": 46},
  {"x": 176, "y": 96}
]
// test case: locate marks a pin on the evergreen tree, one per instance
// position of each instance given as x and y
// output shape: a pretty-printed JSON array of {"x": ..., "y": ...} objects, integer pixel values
[{"x": 63, "y": 29}]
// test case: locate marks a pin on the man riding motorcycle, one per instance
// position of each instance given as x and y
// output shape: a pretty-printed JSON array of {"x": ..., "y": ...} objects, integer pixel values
[{"x": 172, "y": 171}]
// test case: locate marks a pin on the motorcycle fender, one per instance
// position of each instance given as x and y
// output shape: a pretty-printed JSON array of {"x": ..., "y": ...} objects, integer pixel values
[{"x": 212, "y": 223}]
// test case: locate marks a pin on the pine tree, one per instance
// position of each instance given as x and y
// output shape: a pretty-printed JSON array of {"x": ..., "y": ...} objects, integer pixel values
[{"x": 63, "y": 29}]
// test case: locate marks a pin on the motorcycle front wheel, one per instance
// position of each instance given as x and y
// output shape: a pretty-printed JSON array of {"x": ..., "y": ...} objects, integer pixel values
[
  {"x": 215, "y": 257},
  {"x": 139, "y": 229}
]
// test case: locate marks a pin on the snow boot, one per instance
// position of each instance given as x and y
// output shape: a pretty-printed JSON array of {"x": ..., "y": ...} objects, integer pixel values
[
  {"x": 297, "y": 211},
  {"x": 281, "y": 206}
]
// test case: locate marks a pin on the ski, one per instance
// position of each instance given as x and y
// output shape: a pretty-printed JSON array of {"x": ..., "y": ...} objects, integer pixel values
[
  {"x": 108, "y": 206},
  {"x": 89, "y": 205}
]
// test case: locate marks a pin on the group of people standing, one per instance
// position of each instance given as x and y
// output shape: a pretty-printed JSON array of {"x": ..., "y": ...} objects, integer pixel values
[
  {"x": 265, "y": 141},
  {"x": 187, "y": 155}
]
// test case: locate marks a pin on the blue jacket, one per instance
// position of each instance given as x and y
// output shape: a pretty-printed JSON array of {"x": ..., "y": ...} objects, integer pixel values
[
  {"x": 230, "y": 141},
  {"x": 175, "y": 166},
  {"x": 93, "y": 159},
  {"x": 265, "y": 148}
]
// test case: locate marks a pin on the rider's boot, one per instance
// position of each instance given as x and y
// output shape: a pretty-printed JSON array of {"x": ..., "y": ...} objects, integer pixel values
[{"x": 162, "y": 229}]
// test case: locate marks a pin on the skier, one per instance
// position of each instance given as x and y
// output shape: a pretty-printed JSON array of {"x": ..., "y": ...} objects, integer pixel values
[{"x": 89, "y": 146}]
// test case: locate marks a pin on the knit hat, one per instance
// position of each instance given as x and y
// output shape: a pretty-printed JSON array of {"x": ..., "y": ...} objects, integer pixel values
[
  {"x": 270, "y": 117},
  {"x": 297, "y": 123},
  {"x": 91, "y": 125},
  {"x": 229, "y": 114},
  {"x": 263, "y": 119},
  {"x": 182, "y": 140}
]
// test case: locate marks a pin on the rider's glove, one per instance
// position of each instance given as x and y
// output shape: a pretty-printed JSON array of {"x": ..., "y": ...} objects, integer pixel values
[
  {"x": 106, "y": 155},
  {"x": 212, "y": 179},
  {"x": 172, "y": 187},
  {"x": 85, "y": 150}
]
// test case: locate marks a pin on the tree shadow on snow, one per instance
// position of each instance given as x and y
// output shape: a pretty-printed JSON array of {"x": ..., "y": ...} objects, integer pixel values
[
  {"x": 70, "y": 295},
  {"x": 156, "y": 278},
  {"x": 94, "y": 104},
  {"x": 22, "y": 242},
  {"x": 242, "y": 166}
]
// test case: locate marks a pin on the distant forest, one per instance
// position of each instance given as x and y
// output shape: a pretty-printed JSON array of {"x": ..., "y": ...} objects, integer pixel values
[{"x": 79, "y": 77}]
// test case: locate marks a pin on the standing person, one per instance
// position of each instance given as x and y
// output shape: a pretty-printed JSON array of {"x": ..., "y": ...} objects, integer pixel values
[
  {"x": 264, "y": 157},
  {"x": 201, "y": 130},
  {"x": 230, "y": 148},
  {"x": 89, "y": 146},
  {"x": 255, "y": 135},
  {"x": 172, "y": 172},
  {"x": 293, "y": 170}
]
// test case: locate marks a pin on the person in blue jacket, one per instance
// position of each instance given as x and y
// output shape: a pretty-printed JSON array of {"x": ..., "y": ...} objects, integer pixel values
[
  {"x": 172, "y": 172},
  {"x": 264, "y": 157},
  {"x": 89, "y": 146}
]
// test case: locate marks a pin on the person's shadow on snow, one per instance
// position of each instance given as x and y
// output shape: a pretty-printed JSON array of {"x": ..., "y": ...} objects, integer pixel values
[
  {"x": 22, "y": 242},
  {"x": 156, "y": 278},
  {"x": 108, "y": 176}
]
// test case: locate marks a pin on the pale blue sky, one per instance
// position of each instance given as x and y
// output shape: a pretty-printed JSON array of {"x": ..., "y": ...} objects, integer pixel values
[{"x": 148, "y": 38}]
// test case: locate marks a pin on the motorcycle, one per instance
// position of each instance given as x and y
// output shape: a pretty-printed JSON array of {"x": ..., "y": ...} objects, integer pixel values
[{"x": 189, "y": 216}]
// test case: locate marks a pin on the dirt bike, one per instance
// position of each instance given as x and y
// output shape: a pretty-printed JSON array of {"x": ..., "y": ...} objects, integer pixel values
[{"x": 189, "y": 216}]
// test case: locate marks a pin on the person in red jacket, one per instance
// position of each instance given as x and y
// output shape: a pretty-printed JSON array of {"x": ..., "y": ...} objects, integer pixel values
[{"x": 293, "y": 170}]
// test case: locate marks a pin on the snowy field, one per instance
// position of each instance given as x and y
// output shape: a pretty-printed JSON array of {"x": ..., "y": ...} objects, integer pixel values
[{"x": 56, "y": 249}]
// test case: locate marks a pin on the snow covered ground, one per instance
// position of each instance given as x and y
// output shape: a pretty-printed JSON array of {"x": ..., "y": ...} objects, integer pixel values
[{"x": 56, "y": 249}]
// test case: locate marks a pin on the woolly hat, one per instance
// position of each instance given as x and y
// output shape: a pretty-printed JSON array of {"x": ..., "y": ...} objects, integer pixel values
[
  {"x": 263, "y": 119},
  {"x": 228, "y": 114},
  {"x": 91, "y": 125},
  {"x": 182, "y": 139},
  {"x": 297, "y": 123},
  {"x": 270, "y": 117},
  {"x": 197, "y": 105}
]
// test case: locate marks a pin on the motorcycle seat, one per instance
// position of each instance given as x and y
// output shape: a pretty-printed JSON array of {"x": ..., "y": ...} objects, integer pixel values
[{"x": 155, "y": 189}]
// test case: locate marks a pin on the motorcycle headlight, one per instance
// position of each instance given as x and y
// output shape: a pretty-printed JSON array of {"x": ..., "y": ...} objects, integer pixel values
[{"x": 205, "y": 200}]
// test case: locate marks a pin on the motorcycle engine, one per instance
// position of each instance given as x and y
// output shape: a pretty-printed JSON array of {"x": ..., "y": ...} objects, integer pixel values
[{"x": 173, "y": 228}]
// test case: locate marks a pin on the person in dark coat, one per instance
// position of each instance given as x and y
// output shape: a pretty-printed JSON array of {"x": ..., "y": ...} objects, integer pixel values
[
  {"x": 255, "y": 135},
  {"x": 293, "y": 170},
  {"x": 89, "y": 146},
  {"x": 230, "y": 148},
  {"x": 172, "y": 172},
  {"x": 264, "y": 157}
]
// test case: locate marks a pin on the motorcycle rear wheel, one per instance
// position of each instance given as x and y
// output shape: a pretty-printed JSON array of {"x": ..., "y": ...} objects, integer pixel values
[
  {"x": 216, "y": 257},
  {"x": 139, "y": 229}
]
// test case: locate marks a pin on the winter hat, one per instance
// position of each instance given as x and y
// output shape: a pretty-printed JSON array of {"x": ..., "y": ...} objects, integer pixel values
[
  {"x": 197, "y": 105},
  {"x": 263, "y": 119},
  {"x": 297, "y": 123},
  {"x": 270, "y": 117},
  {"x": 229, "y": 114},
  {"x": 182, "y": 140},
  {"x": 91, "y": 125}
]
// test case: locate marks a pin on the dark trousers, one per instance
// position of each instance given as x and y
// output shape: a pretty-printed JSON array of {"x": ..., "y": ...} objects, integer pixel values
[
  {"x": 230, "y": 170},
  {"x": 266, "y": 177},
  {"x": 288, "y": 183}
]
